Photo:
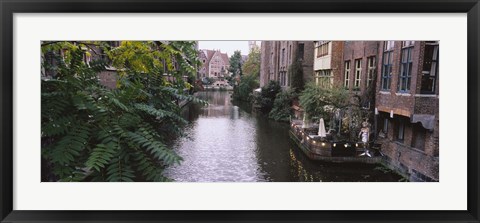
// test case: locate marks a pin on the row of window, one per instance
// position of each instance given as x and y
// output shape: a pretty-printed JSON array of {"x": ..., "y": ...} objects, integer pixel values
[
  {"x": 300, "y": 53},
  {"x": 324, "y": 78},
  {"x": 400, "y": 127},
  {"x": 429, "y": 71},
  {"x": 217, "y": 67},
  {"x": 371, "y": 68},
  {"x": 322, "y": 48},
  {"x": 282, "y": 75}
]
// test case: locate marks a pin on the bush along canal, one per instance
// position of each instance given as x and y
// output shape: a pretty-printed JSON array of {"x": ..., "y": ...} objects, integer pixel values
[{"x": 225, "y": 142}]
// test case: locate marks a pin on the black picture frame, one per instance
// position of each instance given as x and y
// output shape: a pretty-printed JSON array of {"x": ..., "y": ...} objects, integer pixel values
[{"x": 9, "y": 7}]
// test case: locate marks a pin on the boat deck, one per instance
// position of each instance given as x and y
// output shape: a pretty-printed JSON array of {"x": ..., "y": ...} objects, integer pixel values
[{"x": 324, "y": 150}]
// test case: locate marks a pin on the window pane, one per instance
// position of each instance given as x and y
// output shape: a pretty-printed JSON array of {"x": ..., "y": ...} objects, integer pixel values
[
  {"x": 404, "y": 55},
  {"x": 385, "y": 125},
  {"x": 434, "y": 69},
  {"x": 401, "y": 128},
  {"x": 435, "y": 52},
  {"x": 427, "y": 59},
  {"x": 430, "y": 71},
  {"x": 301, "y": 48},
  {"x": 408, "y": 84}
]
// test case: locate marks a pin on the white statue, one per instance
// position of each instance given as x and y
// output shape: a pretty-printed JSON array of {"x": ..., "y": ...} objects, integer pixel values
[{"x": 364, "y": 134}]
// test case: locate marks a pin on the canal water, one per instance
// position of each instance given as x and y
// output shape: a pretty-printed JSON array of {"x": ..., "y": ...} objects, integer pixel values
[{"x": 225, "y": 142}]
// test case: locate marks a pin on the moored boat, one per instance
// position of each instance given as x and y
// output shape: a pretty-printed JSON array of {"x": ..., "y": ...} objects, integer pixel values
[{"x": 328, "y": 149}]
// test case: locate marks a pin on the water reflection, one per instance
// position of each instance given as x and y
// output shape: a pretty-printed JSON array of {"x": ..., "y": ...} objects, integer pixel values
[
  {"x": 225, "y": 143},
  {"x": 220, "y": 146}
]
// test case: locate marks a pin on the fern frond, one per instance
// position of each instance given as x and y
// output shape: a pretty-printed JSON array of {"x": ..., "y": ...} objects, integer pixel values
[
  {"x": 159, "y": 113},
  {"x": 58, "y": 126},
  {"x": 157, "y": 149},
  {"x": 101, "y": 155},
  {"x": 118, "y": 103},
  {"x": 149, "y": 168},
  {"x": 76, "y": 176},
  {"x": 54, "y": 105},
  {"x": 119, "y": 170},
  {"x": 70, "y": 146}
]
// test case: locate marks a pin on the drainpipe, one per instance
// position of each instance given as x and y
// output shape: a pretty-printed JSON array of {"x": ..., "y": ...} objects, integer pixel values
[{"x": 375, "y": 123}]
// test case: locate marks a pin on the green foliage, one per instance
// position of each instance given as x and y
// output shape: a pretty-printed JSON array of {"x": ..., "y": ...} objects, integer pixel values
[
  {"x": 252, "y": 65},
  {"x": 295, "y": 71},
  {"x": 91, "y": 133},
  {"x": 154, "y": 59},
  {"x": 236, "y": 63},
  {"x": 265, "y": 99},
  {"x": 282, "y": 106},
  {"x": 322, "y": 102},
  {"x": 244, "y": 90}
]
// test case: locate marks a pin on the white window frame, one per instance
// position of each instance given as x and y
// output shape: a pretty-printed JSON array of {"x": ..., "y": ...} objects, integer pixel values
[
  {"x": 389, "y": 45},
  {"x": 407, "y": 43},
  {"x": 371, "y": 68},
  {"x": 324, "y": 78},
  {"x": 358, "y": 74},
  {"x": 346, "y": 75}
]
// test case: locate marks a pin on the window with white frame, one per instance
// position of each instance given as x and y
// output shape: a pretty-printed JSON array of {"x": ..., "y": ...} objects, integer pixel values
[
  {"x": 372, "y": 67},
  {"x": 388, "y": 45},
  {"x": 347, "y": 74},
  {"x": 358, "y": 74},
  {"x": 324, "y": 78},
  {"x": 87, "y": 57},
  {"x": 322, "y": 48},
  {"x": 407, "y": 43}
]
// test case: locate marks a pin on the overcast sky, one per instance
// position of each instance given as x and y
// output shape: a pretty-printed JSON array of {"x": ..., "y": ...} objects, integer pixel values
[{"x": 225, "y": 46}]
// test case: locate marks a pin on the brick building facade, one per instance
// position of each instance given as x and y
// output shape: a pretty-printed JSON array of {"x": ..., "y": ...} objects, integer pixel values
[
  {"x": 407, "y": 101},
  {"x": 108, "y": 77},
  {"x": 215, "y": 64},
  {"x": 328, "y": 63},
  {"x": 202, "y": 70},
  {"x": 398, "y": 82},
  {"x": 359, "y": 70},
  {"x": 277, "y": 56},
  {"x": 359, "y": 65},
  {"x": 93, "y": 52}
]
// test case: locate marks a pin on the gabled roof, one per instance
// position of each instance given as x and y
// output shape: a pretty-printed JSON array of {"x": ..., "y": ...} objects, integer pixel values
[
  {"x": 210, "y": 53},
  {"x": 225, "y": 59},
  {"x": 202, "y": 54}
]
